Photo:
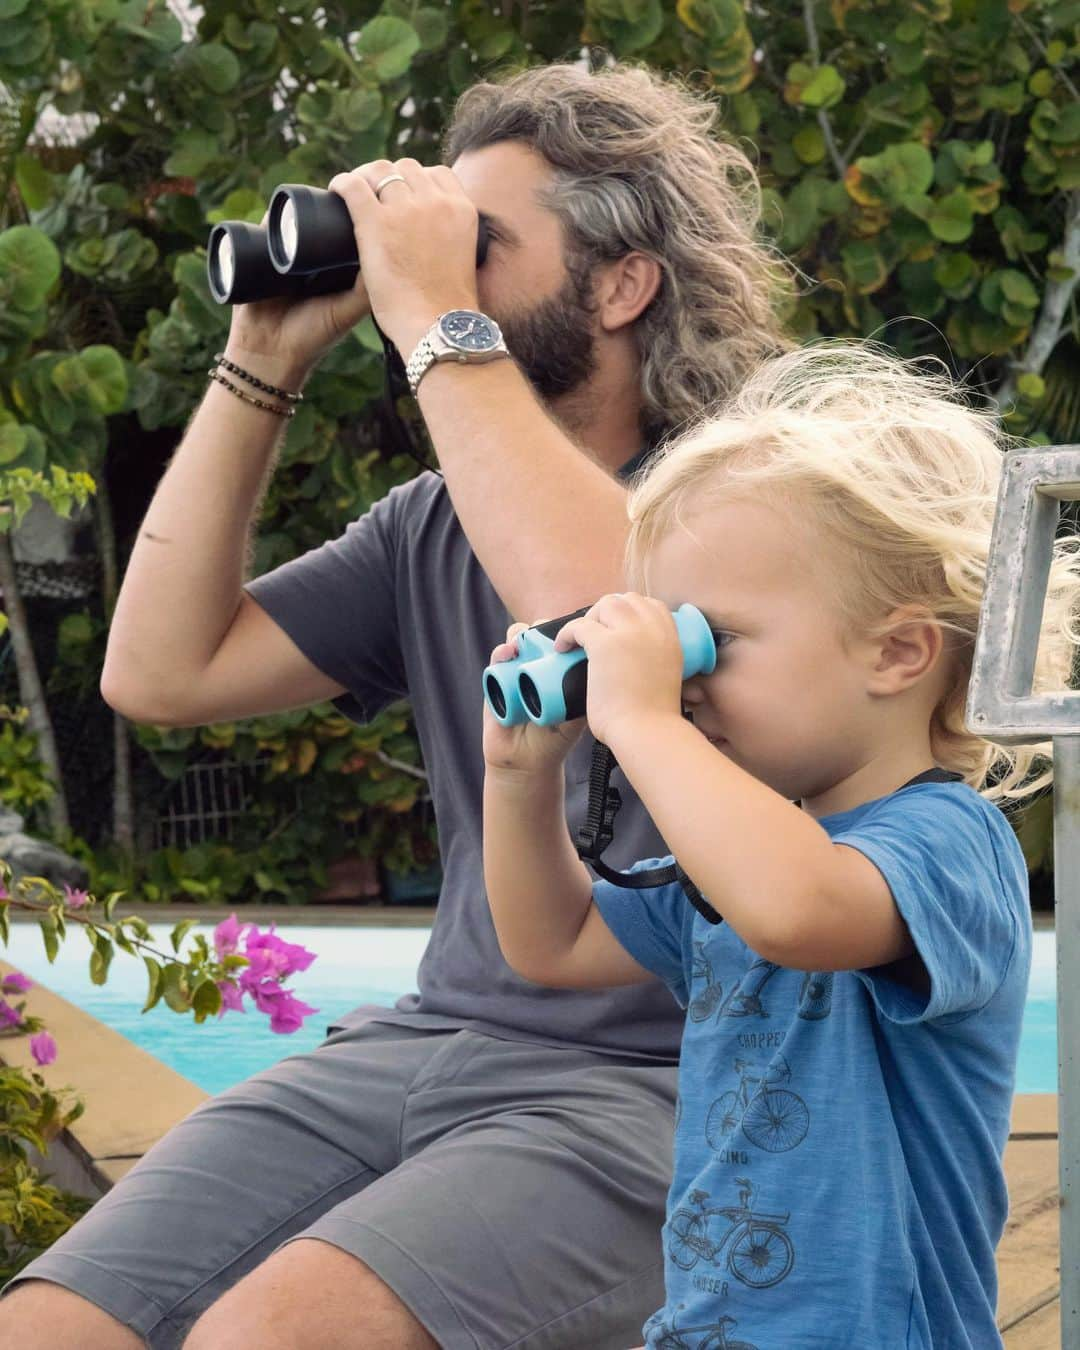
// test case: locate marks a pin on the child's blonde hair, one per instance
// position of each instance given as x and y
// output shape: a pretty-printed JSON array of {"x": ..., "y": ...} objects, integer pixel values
[{"x": 903, "y": 477}]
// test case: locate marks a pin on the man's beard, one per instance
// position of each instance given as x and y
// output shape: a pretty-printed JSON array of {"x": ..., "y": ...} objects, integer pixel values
[{"x": 553, "y": 343}]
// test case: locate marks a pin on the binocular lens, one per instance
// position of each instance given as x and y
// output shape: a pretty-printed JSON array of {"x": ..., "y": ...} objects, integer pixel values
[
  {"x": 495, "y": 696},
  {"x": 225, "y": 263},
  {"x": 307, "y": 247},
  {"x": 530, "y": 695},
  {"x": 287, "y": 229}
]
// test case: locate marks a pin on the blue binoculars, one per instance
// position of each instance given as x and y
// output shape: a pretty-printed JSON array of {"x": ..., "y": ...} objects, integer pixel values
[{"x": 544, "y": 686}]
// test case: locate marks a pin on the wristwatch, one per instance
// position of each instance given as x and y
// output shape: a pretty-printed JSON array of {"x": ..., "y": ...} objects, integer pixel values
[{"x": 458, "y": 335}]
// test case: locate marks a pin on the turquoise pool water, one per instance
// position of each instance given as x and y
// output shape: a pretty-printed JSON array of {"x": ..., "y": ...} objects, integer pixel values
[{"x": 355, "y": 965}]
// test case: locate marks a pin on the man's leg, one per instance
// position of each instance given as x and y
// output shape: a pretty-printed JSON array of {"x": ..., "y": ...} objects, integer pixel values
[
  {"x": 213, "y": 1199},
  {"x": 525, "y": 1212},
  {"x": 44, "y": 1316},
  {"x": 313, "y": 1295}
]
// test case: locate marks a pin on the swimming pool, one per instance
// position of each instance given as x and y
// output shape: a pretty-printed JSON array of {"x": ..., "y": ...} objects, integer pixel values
[{"x": 355, "y": 965}]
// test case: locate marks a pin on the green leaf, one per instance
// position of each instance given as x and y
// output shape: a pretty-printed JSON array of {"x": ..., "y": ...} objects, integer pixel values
[
  {"x": 174, "y": 988},
  {"x": 824, "y": 89},
  {"x": 29, "y": 266},
  {"x": 1031, "y": 386},
  {"x": 809, "y": 144},
  {"x": 34, "y": 181},
  {"x": 1067, "y": 129},
  {"x": 207, "y": 1000},
  {"x": 100, "y": 959},
  {"x": 431, "y": 28},
  {"x": 360, "y": 109},
  {"x": 902, "y": 172},
  {"x": 48, "y": 932},
  {"x": 180, "y": 931},
  {"x": 153, "y": 994},
  {"x": 124, "y": 942},
  {"x": 951, "y": 217},
  {"x": 12, "y": 444},
  {"x": 953, "y": 271},
  {"x": 1018, "y": 288},
  {"x": 106, "y": 378},
  {"x": 155, "y": 26},
  {"x": 365, "y": 334},
  {"x": 389, "y": 45},
  {"x": 5, "y": 927},
  {"x": 195, "y": 150},
  {"x": 216, "y": 66},
  {"x": 864, "y": 266}
]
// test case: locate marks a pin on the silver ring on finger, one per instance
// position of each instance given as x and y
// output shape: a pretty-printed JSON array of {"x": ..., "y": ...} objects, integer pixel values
[{"x": 384, "y": 182}]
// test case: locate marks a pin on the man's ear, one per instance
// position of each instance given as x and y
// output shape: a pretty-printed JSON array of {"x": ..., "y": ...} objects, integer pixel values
[
  {"x": 625, "y": 288},
  {"x": 906, "y": 652}
]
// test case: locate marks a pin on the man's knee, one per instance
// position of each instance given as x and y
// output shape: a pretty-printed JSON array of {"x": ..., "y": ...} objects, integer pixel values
[
  {"x": 40, "y": 1315},
  {"x": 309, "y": 1295}
]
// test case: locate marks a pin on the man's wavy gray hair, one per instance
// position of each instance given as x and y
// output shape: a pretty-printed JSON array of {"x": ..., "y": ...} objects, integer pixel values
[{"x": 639, "y": 165}]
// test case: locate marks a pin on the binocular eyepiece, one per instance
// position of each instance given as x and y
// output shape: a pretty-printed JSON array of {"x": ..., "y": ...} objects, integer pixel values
[
  {"x": 307, "y": 247},
  {"x": 544, "y": 686}
]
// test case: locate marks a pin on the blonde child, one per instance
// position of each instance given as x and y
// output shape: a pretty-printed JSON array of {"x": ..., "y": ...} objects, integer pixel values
[{"x": 851, "y": 1029}]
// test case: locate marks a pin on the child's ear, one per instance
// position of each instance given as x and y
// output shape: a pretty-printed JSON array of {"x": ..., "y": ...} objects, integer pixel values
[{"x": 908, "y": 650}]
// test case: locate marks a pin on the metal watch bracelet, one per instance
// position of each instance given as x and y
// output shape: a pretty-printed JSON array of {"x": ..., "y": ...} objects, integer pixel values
[{"x": 421, "y": 359}]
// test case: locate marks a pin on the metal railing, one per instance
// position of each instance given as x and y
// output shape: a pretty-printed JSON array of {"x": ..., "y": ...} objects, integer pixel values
[{"x": 1002, "y": 706}]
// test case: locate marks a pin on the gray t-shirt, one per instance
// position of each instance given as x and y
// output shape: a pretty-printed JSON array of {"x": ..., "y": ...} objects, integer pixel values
[{"x": 397, "y": 607}]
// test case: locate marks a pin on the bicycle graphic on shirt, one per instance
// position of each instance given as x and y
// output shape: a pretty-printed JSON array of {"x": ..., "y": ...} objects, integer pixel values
[
  {"x": 771, "y": 1117},
  {"x": 754, "y": 1246},
  {"x": 744, "y": 1000},
  {"x": 715, "y": 1338}
]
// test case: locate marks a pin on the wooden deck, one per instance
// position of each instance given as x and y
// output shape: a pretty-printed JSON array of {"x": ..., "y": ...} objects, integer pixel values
[{"x": 1028, "y": 1307}]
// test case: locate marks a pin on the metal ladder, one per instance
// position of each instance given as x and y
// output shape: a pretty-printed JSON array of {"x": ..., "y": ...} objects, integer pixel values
[{"x": 1002, "y": 706}]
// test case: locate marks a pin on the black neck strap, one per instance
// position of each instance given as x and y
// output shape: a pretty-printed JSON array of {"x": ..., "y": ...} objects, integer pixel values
[{"x": 598, "y": 830}]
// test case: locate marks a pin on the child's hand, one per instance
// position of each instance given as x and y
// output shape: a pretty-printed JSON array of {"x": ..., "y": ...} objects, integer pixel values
[
  {"x": 525, "y": 749},
  {"x": 635, "y": 662}
]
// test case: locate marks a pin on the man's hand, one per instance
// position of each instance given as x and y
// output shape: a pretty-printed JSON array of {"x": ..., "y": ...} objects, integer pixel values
[
  {"x": 417, "y": 244},
  {"x": 417, "y": 247}
]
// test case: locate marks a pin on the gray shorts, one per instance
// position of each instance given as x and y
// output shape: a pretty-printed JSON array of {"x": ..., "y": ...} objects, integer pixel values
[{"x": 511, "y": 1194}]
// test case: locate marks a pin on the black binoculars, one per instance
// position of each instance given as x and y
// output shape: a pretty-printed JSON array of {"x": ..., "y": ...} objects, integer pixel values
[{"x": 307, "y": 247}]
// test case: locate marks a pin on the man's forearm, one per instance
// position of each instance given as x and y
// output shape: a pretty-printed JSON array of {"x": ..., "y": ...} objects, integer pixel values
[
  {"x": 183, "y": 581},
  {"x": 538, "y": 889},
  {"x": 547, "y": 523}
]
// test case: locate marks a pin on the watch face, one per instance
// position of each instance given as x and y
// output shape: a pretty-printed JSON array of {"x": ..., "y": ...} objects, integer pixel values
[{"x": 469, "y": 331}]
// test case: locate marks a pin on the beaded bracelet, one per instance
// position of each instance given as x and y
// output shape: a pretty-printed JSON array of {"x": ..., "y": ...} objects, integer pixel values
[
  {"x": 220, "y": 358},
  {"x": 255, "y": 402}
]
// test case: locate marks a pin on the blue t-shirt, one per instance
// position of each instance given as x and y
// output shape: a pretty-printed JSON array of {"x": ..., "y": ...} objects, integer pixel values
[{"x": 838, "y": 1138}]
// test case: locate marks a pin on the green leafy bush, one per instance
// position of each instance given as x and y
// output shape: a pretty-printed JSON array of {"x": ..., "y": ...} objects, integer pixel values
[{"x": 921, "y": 164}]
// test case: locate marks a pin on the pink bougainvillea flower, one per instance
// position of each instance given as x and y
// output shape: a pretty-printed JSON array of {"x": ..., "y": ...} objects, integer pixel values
[
  {"x": 75, "y": 899},
  {"x": 227, "y": 936},
  {"x": 43, "y": 1048},
  {"x": 15, "y": 982},
  {"x": 8, "y": 1016},
  {"x": 273, "y": 956},
  {"x": 287, "y": 1012},
  {"x": 232, "y": 997},
  {"x": 271, "y": 960}
]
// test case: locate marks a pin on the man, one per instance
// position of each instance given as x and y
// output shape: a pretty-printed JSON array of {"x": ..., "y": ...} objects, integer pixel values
[{"x": 484, "y": 1166}]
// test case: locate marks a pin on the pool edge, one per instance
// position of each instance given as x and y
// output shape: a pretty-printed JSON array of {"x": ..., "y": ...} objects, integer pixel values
[{"x": 131, "y": 1097}]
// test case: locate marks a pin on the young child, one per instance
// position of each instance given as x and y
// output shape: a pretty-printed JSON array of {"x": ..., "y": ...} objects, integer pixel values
[{"x": 852, "y": 1024}]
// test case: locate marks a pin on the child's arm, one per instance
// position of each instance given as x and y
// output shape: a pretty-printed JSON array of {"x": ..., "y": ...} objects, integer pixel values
[
  {"x": 770, "y": 869},
  {"x": 539, "y": 891}
]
